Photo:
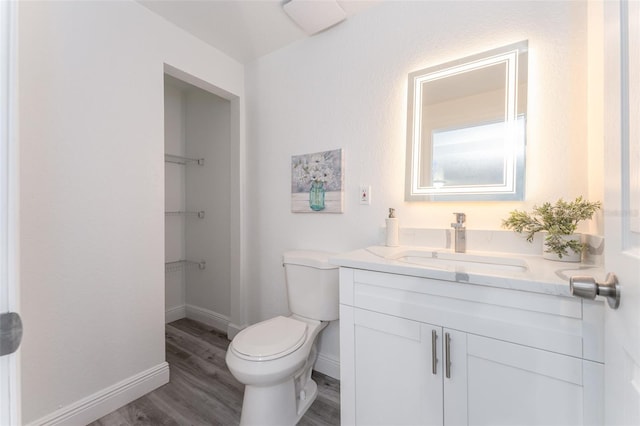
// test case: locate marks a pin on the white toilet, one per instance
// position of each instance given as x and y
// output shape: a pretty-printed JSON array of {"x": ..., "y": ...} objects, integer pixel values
[{"x": 274, "y": 358}]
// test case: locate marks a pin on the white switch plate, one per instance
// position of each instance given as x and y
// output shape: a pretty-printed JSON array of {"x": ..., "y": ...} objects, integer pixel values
[{"x": 365, "y": 194}]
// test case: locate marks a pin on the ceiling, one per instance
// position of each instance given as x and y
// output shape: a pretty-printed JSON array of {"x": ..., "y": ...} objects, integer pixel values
[{"x": 243, "y": 29}]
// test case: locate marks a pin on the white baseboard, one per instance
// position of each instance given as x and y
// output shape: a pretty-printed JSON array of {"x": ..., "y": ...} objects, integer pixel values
[
  {"x": 107, "y": 400},
  {"x": 327, "y": 365},
  {"x": 213, "y": 319},
  {"x": 233, "y": 329},
  {"x": 174, "y": 314}
]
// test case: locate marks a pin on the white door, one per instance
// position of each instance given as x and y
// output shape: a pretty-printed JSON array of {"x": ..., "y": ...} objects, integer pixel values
[
  {"x": 9, "y": 323},
  {"x": 622, "y": 209}
]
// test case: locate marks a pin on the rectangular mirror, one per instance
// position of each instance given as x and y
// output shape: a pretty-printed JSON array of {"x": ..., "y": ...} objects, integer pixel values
[{"x": 466, "y": 128}]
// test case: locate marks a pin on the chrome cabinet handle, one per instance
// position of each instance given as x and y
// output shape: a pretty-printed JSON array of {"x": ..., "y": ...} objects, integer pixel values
[
  {"x": 434, "y": 352},
  {"x": 447, "y": 355},
  {"x": 588, "y": 288}
]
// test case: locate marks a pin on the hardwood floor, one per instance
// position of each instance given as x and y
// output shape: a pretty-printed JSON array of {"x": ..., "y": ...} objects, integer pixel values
[{"x": 202, "y": 391}]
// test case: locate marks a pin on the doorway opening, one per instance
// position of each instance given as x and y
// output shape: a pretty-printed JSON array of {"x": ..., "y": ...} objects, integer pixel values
[{"x": 202, "y": 236}]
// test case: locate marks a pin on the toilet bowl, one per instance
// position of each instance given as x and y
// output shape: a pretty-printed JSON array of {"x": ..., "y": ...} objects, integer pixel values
[
  {"x": 277, "y": 376},
  {"x": 274, "y": 358}
]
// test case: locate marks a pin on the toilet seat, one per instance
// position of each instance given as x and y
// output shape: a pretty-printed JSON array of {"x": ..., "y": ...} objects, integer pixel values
[{"x": 270, "y": 339}]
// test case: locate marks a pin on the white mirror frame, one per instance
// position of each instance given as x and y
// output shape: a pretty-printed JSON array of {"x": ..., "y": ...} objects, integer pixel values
[{"x": 512, "y": 187}]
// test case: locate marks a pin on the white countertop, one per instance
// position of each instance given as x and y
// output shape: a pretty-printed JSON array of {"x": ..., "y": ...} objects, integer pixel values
[{"x": 539, "y": 275}]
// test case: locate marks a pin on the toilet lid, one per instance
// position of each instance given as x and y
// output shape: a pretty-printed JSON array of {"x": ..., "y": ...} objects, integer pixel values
[{"x": 270, "y": 339}]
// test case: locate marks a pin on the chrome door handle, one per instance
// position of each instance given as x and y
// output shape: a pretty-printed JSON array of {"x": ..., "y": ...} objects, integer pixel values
[
  {"x": 588, "y": 288},
  {"x": 10, "y": 333}
]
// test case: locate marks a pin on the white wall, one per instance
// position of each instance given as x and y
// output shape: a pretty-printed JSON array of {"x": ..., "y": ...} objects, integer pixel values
[
  {"x": 91, "y": 124},
  {"x": 347, "y": 88},
  {"x": 92, "y": 191},
  {"x": 595, "y": 108},
  {"x": 208, "y": 188}
]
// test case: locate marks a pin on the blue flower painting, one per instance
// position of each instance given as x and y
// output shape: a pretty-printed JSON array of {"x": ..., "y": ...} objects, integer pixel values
[{"x": 316, "y": 182}]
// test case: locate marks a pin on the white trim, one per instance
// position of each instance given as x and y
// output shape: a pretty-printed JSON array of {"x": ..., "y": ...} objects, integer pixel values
[
  {"x": 175, "y": 313},
  {"x": 10, "y": 393},
  {"x": 109, "y": 399},
  {"x": 206, "y": 316},
  {"x": 233, "y": 329},
  {"x": 328, "y": 365}
]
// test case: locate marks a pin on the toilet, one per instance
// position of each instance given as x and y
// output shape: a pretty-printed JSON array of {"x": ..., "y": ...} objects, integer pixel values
[{"x": 274, "y": 358}]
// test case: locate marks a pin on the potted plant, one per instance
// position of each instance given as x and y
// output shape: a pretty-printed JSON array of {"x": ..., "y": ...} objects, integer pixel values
[{"x": 560, "y": 221}]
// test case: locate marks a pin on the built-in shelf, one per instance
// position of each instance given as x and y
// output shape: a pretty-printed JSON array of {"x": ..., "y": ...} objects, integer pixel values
[
  {"x": 182, "y": 264},
  {"x": 176, "y": 159},
  {"x": 199, "y": 214}
]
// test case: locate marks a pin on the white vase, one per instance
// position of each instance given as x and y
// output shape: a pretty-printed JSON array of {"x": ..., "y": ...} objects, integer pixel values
[{"x": 571, "y": 256}]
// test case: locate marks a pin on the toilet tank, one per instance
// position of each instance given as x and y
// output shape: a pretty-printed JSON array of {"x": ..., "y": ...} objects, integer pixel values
[{"x": 312, "y": 284}]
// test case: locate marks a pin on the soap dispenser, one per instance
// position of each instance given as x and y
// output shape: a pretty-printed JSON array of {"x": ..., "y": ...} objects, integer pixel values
[{"x": 392, "y": 229}]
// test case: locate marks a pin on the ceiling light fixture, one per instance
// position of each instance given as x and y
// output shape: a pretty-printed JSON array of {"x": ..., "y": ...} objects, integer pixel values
[{"x": 314, "y": 16}]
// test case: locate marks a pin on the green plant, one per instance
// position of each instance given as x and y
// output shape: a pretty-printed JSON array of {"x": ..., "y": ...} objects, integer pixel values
[{"x": 557, "y": 219}]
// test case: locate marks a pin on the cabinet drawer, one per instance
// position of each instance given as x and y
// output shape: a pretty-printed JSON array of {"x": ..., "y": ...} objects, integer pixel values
[
  {"x": 543, "y": 321},
  {"x": 532, "y": 302}
]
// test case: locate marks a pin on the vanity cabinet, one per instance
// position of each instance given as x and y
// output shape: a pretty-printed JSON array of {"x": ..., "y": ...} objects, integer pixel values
[{"x": 418, "y": 351}]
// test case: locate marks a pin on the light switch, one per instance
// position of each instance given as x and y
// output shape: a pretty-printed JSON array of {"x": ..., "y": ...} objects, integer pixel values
[{"x": 365, "y": 194}]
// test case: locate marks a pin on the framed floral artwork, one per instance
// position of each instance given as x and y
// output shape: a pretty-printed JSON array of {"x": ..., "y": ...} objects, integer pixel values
[{"x": 316, "y": 182}]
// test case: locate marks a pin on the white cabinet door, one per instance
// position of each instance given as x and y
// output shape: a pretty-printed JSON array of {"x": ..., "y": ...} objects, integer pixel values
[
  {"x": 509, "y": 384},
  {"x": 394, "y": 371},
  {"x": 455, "y": 377}
]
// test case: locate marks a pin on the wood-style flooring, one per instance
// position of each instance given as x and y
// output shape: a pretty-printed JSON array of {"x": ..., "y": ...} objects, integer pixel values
[{"x": 202, "y": 391}]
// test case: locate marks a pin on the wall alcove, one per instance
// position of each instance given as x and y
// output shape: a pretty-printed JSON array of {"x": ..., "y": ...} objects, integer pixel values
[{"x": 198, "y": 228}]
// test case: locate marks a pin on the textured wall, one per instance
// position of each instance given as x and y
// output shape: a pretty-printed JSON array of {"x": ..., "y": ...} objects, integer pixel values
[
  {"x": 346, "y": 88},
  {"x": 92, "y": 191},
  {"x": 208, "y": 126}
]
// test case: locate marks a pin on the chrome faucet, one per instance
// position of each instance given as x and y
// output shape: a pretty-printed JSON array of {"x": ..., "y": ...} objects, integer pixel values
[{"x": 460, "y": 240}]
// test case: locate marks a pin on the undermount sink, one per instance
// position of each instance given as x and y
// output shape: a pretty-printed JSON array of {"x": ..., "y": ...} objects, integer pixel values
[{"x": 470, "y": 262}]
